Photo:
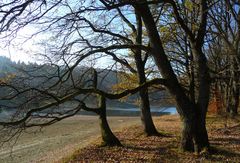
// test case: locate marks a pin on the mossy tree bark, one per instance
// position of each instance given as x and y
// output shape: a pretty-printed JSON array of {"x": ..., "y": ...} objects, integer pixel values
[
  {"x": 194, "y": 132},
  {"x": 187, "y": 136}
]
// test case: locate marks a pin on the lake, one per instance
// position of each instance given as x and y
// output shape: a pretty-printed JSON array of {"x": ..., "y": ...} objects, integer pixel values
[
  {"x": 155, "y": 111},
  {"x": 112, "y": 111}
]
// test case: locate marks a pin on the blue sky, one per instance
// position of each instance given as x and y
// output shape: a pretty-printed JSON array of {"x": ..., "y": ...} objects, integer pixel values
[{"x": 23, "y": 50}]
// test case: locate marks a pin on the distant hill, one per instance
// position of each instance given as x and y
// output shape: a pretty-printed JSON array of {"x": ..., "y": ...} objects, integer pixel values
[
  {"x": 6, "y": 66},
  {"x": 106, "y": 79}
]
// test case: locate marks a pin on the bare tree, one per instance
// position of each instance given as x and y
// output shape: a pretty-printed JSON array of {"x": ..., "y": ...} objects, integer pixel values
[
  {"x": 47, "y": 94},
  {"x": 224, "y": 47},
  {"x": 90, "y": 28}
]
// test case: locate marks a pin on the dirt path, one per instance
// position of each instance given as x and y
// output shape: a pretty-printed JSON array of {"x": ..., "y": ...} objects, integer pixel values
[{"x": 59, "y": 140}]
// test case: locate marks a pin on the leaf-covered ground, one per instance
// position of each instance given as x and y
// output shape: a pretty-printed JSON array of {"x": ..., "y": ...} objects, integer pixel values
[{"x": 224, "y": 135}]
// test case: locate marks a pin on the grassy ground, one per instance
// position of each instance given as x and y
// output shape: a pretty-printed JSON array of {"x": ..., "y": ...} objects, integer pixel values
[
  {"x": 59, "y": 140},
  {"x": 224, "y": 135}
]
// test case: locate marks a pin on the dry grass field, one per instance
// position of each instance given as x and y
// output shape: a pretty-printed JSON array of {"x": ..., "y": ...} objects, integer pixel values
[{"x": 54, "y": 142}]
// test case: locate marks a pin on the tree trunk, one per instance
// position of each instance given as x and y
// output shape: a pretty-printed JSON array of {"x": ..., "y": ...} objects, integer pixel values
[
  {"x": 201, "y": 141},
  {"x": 194, "y": 133},
  {"x": 232, "y": 101},
  {"x": 186, "y": 108},
  {"x": 236, "y": 88},
  {"x": 202, "y": 71},
  {"x": 236, "y": 103},
  {"x": 187, "y": 134},
  {"x": 108, "y": 138},
  {"x": 146, "y": 117},
  {"x": 233, "y": 108},
  {"x": 187, "y": 112}
]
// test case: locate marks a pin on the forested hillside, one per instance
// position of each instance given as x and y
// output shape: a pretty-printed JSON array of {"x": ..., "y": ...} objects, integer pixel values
[{"x": 34, "y": 74}]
